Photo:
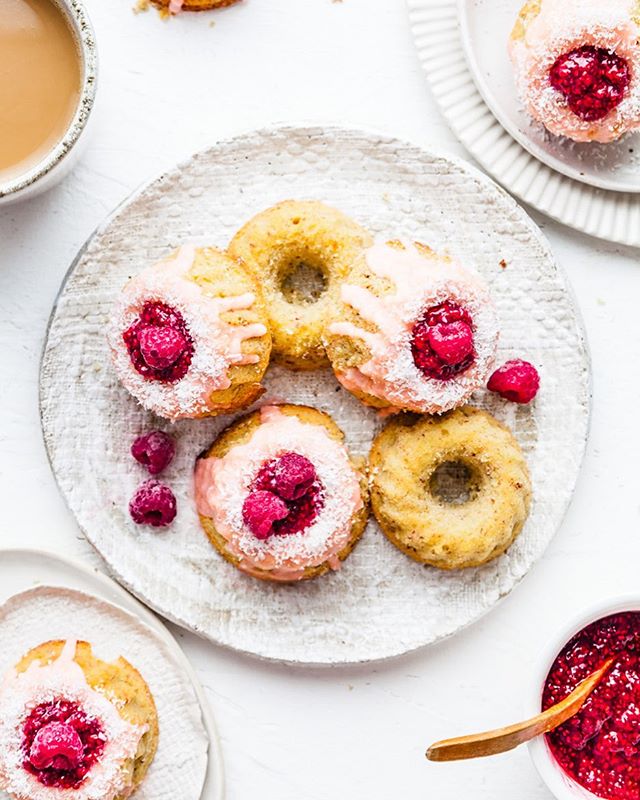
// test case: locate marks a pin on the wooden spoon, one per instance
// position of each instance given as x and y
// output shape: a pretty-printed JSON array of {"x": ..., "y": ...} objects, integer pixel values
[{"x": 502, "y": 739}]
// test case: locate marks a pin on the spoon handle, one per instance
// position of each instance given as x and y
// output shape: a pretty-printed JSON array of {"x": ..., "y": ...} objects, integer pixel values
[{"x": 502, "y": 739}]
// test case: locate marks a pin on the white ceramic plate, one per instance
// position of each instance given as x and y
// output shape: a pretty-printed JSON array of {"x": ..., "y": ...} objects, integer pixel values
[
  {"x": 484, "y": 24},
  {"x": 381, "y": 603},
  {"x": 462, "y": 47},
  {"x": 25, "y": 570}
]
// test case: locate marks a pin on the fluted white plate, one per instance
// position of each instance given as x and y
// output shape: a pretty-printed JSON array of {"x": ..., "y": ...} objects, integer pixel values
[
  {"x": 381, "y": 603},
  {"x": 462, "y": 47}
]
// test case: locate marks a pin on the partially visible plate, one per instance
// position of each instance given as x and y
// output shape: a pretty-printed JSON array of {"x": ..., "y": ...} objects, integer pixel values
[
  {"x": 380, "y": 604},
  {"x": 483, "y": 113},
  {"x": 22, "y": 570},
  {"x": 485, "y": 26}
]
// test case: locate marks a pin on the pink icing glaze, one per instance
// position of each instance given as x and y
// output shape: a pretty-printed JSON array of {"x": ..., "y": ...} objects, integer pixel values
[
  {"x": 175, "y": 6},
  {"x": 563, "y": 26},
  {"x": 63, "y": 678},
  {"x": 221, "y": 485},
  {"x": 217, "y": 344},
  {"x": 421, "y": 281}
]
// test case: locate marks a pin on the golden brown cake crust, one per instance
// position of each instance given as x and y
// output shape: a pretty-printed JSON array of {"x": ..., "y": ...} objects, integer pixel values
[
  {"x": 239, "y": 433},
  {"x": 404, "y": 457},
  {"x": 219, "y": 275},
  {"x": 273, "y": 245},
  {"x": 121, "y": 683}
]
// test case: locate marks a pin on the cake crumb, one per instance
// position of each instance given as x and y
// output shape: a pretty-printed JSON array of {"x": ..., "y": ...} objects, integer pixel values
[
  {"x": 503, "y": 263},
  {"x": 141, "y": 6}
]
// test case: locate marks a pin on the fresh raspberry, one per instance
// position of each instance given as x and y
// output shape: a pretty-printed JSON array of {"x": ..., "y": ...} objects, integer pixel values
[
  {"x": 153, "y": 504},
  {"x": 61, "y": 743},
  {"x": 294, "y": 475},
  {"x": 592, "y": 79},
  {"x": 515, "y": 380},
  {"x": 261, "y": 510},
  {"x": 292, "y": 480},
  {"x": 56, "y": 745},
  {"x": 442, "y": 341},
  {"x": 159, "y": 343},
  {"x": 161, "y": 347},
  {"x": 452, "y": 342},
  {"x": 154, "y": 450}
]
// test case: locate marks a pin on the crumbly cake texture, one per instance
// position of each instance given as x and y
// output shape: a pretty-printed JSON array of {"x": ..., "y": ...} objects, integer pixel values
[
  {"x": 176, "y": 6},
  {"x": 370, "y": 332},
  {"x": 404, "y": 457},
  {"x": 548, "y": 29},
  {"x": 273, "y": 244},
  {"x": 155, "y": 693},
  {"x": 260, "y": 437},
  {"x": 224, "y": 313}
]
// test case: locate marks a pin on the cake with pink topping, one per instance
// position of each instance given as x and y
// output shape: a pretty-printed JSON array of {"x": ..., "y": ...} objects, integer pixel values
[
  {"x": 415, "y": 330},
  {"x": 73, "y": 727},
  {"x": 188, "y": 336},
  {"x": 577, "y": 66},
  {"x": 278, "y": 495}
]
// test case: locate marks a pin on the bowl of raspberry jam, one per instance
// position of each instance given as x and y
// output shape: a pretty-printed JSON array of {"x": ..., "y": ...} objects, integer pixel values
[{"x": 596, "y": 753}]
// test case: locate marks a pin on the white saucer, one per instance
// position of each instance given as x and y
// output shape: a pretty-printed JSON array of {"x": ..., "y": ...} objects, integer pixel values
[
  {"x": 22, "y": 570},
  {"x": 462, "y": 45}
]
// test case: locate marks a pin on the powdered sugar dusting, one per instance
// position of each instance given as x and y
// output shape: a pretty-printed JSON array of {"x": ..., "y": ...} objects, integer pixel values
[
  {"x": 222, "y": 485},
  {"x": 560, "y": 27},
  {"x": 421, "y": 281},
  {"x": 217, "y": 345},
  {"x": 62, "y": 679}
]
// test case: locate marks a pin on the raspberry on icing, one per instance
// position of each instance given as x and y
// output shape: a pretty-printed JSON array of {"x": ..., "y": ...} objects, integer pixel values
[
  {"x": 285, "y": 498},
  {"x": 154, "y": 450},
  {"x": 153, "y": 504},
  {"x": 592, "y": 79},
  {"x": 261, "y": 510},
  {"x": 61, "y": 743},
  {"x": 443, "y": 341},
  {"x": 515, "y": 380},
  {"x": 159, "y": 344},
  {"x": 294, "y": 475},
  {"x": 56, "y": 745}
]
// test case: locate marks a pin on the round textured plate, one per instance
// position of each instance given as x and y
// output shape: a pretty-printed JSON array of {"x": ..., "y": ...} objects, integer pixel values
[
  {"x": 483, "y": 23},
  {"x": 381, "y": 604},
  {"x": 468, "y": 81},
  {"x": 56, "y": 598}
]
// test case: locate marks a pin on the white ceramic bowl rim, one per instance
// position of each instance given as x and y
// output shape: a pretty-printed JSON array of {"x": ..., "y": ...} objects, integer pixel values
[
  {"x": 560, "y": 784},
  {"x": 83, "y": 30}
]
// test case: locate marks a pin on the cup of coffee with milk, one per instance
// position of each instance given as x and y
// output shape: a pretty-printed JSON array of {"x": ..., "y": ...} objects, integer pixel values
[{"x": 47, "y": 90}]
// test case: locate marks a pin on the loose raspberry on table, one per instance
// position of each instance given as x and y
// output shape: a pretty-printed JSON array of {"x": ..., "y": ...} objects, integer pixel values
[
  {"x": 592, "y": 79},
  {"x": 153, "y": 504},
  {"x": 515, "y": 380},
  {"x": 442, "y": 341},
  {"x": 154, "y": 450},
  {"x": 159, "y": 343}
]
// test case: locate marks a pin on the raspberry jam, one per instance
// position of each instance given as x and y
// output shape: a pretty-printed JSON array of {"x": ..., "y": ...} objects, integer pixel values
[
  {"x": 50, "y": 741},
  {"x": 442, "y": 341},
  {"x": 600, "y": 746},
  {"x": 592, "y": 79},
  {"x": 159, "y": 343},
  {"x": 286, "y": 497}
]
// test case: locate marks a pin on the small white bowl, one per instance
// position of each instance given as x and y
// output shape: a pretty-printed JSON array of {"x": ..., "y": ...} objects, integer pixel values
[
  {"x": 562, "y": 786},
  {"x": 57, "y": 163}
]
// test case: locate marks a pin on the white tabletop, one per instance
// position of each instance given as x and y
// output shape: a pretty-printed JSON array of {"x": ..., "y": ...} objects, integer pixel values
[{"x": 167, "y": 89}]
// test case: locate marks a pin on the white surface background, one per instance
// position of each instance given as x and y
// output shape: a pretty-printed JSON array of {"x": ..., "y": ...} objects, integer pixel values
[{"x": 290, "y": 734}]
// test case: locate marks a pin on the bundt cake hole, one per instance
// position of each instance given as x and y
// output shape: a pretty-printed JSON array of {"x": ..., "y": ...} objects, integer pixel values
[
  {"x": 454, "y": 482},
  {"x": 302, "y": 281}
]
